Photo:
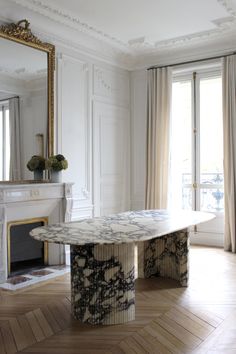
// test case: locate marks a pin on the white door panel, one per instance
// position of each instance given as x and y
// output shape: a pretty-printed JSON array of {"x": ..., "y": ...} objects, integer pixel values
[{"x": 111, "y": 159}]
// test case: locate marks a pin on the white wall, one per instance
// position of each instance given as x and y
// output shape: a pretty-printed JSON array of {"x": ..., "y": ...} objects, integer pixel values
[
  {"x": 138, "y": 138},
  {"x": 92, "y": 128},
  {"x": 93, "y": 132}
]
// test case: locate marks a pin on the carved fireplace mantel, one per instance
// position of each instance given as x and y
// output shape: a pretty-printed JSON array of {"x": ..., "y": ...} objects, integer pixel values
[{"x": 25, "y": 201}]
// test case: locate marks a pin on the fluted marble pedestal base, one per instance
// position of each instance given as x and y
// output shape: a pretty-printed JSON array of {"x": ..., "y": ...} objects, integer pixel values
[
  {"x": 102, "y": 283},
  {"x": 165, "y": 256}
]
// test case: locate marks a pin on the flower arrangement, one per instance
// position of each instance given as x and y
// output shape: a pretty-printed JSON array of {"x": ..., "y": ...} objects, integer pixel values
[
  {"x": 36, "y": 163},
  {"x": 56, "y": 163}
]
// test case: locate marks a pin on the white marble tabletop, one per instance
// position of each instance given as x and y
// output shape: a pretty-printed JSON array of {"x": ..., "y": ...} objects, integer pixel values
[{"x": 132, "y": 226}]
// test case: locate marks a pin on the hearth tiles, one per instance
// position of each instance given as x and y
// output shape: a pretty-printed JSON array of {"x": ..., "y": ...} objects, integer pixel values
[{"x": 34, "y": 277}]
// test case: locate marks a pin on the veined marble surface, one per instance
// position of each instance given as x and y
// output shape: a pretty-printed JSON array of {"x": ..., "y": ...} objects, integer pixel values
[{"x": 132, "y": 226}]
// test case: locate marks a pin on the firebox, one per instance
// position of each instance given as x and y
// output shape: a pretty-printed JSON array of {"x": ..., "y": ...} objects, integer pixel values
[{"x": 25, "y": 253}]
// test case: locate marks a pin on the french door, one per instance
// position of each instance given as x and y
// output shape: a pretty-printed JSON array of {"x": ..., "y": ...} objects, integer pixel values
[{"x": 197, "y": 151}]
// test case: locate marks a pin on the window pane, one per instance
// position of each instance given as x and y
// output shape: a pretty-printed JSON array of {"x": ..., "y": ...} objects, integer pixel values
[
  {"x": 212, "y": 199},
  {"x": 1, "y": 144},
  {"x": 211, "y": 145},
  {"x": 7, "y": 139},
  {"x": 181, "y": 146}
]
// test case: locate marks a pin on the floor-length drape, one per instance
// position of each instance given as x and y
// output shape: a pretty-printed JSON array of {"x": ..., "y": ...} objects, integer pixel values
[
  {"x": 158, "y": 135},
  {"x": 229, "y": 133},
  {"x": 15, "y": 155}
]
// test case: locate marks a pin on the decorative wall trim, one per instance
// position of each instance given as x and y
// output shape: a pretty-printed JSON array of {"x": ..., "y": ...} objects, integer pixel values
[
  {"x": 82, "y": 193},
  {"x": 82, "y": 212},
  {"x": 99, "y": 75},
  {"x": 111, "y": 84}
]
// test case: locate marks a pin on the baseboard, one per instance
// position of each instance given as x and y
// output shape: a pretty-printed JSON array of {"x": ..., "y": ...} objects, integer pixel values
[
  {"x": 207, "y": 239},
  {"x": 83, "y": 212}
]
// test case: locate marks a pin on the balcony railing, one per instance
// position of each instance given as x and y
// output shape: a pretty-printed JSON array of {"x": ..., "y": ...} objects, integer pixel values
[{"x": 209, "y": 192}]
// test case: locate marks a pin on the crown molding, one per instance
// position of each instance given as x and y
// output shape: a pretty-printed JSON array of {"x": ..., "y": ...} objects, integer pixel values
[
  {"x": 77, "y": 40},
  {"x": 224, "y": 25},
  {"x": 228, "y": 6},
  {"x": 93, "y": 49},
  {"x": 68, "y": 19},
  {"x": 111, "y": 50},
  {"x": 23, "y": 73},
  {"x": 180, "y": 55}
]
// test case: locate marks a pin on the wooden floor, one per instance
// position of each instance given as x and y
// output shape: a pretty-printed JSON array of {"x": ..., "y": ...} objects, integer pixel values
[{"x": 169, "y": 319}]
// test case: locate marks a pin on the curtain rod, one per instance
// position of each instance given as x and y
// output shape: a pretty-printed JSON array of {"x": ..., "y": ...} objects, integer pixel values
[
  {"x": 191, "y": 61},
  {"x": 8, "y": 98}
]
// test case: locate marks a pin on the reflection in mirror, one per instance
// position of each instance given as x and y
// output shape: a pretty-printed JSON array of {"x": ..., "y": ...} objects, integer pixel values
[
  {"x": 23, "y": 108},
  {"x": 4, "y": 141}
]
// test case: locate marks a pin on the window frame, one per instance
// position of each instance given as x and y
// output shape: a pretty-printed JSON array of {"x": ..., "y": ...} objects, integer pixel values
[
  {"x": 187, "y": 75},
  {"x": 4, "y": 106}
]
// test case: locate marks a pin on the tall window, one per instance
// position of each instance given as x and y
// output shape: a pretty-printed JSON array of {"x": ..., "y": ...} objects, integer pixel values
[
  {"x": 4, "y": 141},
  {"x": 197, "y": 143}
]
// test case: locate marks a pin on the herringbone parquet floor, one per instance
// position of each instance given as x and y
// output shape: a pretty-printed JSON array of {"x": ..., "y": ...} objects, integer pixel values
[{"x": 169, "y": 319}]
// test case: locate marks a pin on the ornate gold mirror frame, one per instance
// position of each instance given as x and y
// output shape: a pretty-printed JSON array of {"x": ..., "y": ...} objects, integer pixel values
[{"x": 21, "y": 33}]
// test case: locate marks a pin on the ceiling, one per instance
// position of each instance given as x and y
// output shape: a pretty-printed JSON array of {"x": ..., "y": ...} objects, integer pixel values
[
  {"x": 139, "y": 29},
  {"x": 155, "y": 20}
]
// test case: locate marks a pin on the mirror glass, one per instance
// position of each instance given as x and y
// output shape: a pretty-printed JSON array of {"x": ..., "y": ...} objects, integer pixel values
[{"x": 23, "y": 108}]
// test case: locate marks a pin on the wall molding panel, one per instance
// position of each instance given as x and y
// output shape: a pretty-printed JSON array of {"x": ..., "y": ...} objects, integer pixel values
[
  {"x": 86, "y": 90},
  {"x": 110, "y": 84},
  {"x": 74, "y": 127},
  {"x": 111, "y": 158}
]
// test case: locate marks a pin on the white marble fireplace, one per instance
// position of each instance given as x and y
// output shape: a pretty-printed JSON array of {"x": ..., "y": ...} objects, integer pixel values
[{"x": 27, "y": 201}]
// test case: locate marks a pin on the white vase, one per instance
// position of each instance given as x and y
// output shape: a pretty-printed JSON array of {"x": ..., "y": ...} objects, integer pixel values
[
  {"x": 56, "y": 176},
  {"x": 38, "y": 175}
]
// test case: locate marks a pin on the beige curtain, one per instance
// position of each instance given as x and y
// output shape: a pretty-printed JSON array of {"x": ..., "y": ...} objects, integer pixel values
[
  {"x": 229, "y": 130},
  {"x": 158, "y": 132},
  {"x": 15, "y": 155}
]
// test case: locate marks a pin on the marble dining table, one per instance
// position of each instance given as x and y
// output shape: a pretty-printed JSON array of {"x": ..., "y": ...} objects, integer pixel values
[{"x": 103, "y": 258}]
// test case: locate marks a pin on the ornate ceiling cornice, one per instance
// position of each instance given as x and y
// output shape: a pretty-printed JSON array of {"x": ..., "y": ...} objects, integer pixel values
[
  {"x": 227, "y": 5},
  {"x": 223, "y": 26},
  {"x": 140, "y": 46},
  {"x": 69, "y": 20}
]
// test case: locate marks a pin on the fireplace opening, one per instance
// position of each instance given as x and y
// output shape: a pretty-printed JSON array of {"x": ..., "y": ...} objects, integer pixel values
[{"x": 25, "y": 253}]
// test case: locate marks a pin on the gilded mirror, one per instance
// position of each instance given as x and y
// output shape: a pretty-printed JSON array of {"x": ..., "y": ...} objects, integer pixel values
[{"x": 26, "y": 99}]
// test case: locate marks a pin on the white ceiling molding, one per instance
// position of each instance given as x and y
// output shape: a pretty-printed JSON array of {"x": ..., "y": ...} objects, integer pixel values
[
  {"x": 142, "y": 45},
  {"x": 92, "y": 48},
  {"x": 20, "y": 86},
  {"x": 223, "y": 25},
  {"x": 79, "y": 41},
  {"x": 126, "y": 54},
  {"x": 71, "y": 21},
  {"x": 23, "y": 73},
  {"x": 228, "y": 6},
  {"x": 74, "y": 22}
]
